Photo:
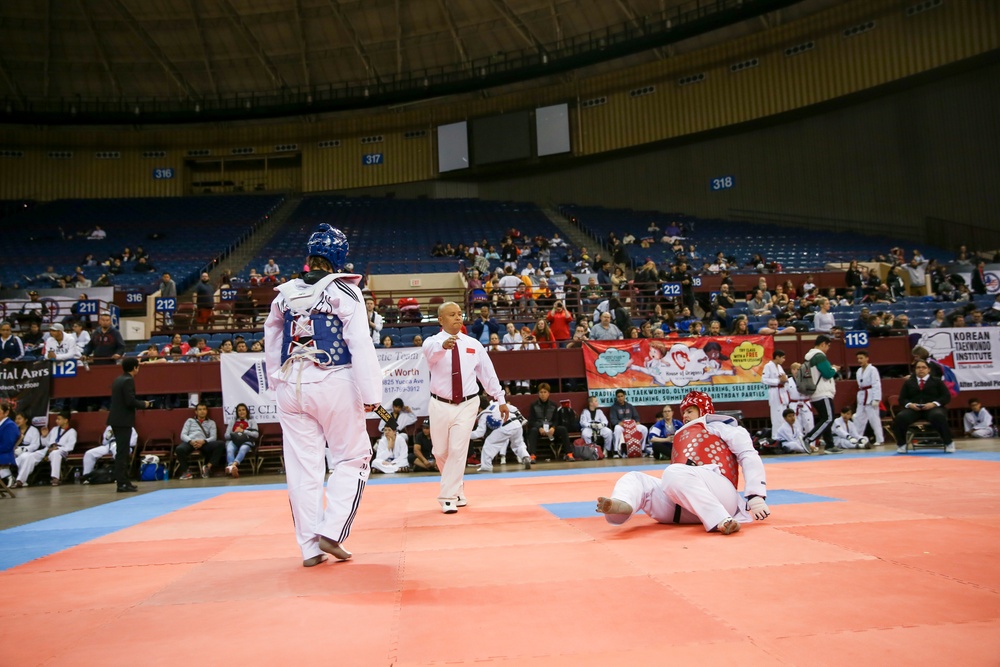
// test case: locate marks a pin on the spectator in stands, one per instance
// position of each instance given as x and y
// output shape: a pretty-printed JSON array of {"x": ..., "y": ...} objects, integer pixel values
[
  {"x": 508, "y": 254},
  {"x": 226, "y": 347},
  {"x": 271, "y": 271},
  {"x": 917, "y": 271},
  {"x": 386, "y": 341},
  {"x": 199, "y": 434},
  {"x": 11, "y": 347},
  {"x": 115, "y": 267},
  {"x": 48, "y": 276},
  {"x": 438, "y": 249},
  {"x": 714, "y": 328},
  {"x": 724, "y": 299},
  {"x": 824, "y": 320},
  {"x": 605, "y": 329},
  {"x": 176, "y": 341},
  {"x": 757, "y": 304},
  {"x": 33, "y": 310},
  {"x": 204, "y": 298},
  {"x": 375, "y": 321},
  {"x": 81, "y": 281},
  {"x": 258, "y": 345},
  {"x": 772, "y": 328},
  {"x": 741, "y": 327},
  {"x": 143, "y": 266},
  {"x": 542, "y": 335},
  {"x": 82, "y": 336},
  {"x": 511, "y": 339},
  {"x": 979, "y": 278},
  {"x": 484, "y": 325},
  {"x": 621, "y": 411},
  {"x": 402, "y": 414},
  {"x": 150, "y": 355},
  {"x": 523, "y": 301},
  {"x": 543, "y": 426},
  {"x": 901, "y": 321},
  {"x": 32, "y": 339},
  {"x": 200, "y": 350},
  {"x": 559, "y": 320},
  {"x": 60, "y": 345},
  {"x": 853, "y": 281},
  {"x": 106, "y": 344},
  {"x": 97, "y": 234},
  {"x": 491, "y": 254}
]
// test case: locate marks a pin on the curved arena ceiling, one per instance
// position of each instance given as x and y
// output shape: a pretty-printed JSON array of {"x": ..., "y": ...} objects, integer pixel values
[{"x": 57, "y": 50}]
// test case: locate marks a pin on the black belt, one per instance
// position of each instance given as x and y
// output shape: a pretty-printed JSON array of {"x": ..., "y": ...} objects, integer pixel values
[
  {"x": 451, "y": 402},
  {"x": 677, "y": 513}
]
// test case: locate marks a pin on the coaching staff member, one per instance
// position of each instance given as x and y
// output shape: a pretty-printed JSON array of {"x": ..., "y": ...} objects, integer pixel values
[{"x": 121, "y": 419}]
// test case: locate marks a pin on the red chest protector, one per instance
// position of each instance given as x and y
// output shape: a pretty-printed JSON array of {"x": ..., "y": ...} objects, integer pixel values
[{"x": 696, "y": 445}]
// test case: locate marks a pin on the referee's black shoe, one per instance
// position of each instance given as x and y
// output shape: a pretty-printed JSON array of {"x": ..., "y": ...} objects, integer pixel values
[{"x": 127, "y": 488}]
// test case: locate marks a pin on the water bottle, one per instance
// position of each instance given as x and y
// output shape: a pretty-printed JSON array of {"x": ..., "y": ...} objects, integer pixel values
[
  {"x": 76, "y": 476},
  {"x": 166, "y": 473}
]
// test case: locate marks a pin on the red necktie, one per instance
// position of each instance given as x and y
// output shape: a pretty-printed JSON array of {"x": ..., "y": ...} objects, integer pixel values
[
  {"x": 456, "y": 375},
  {"x": 921, "y": 384}
]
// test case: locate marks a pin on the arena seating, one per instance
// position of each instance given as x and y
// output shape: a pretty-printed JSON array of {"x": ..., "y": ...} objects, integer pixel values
[
  {"x": 389, "y": 235},
  {"x": 794, "y": 249},
  {"x": 181, "y": 234}
]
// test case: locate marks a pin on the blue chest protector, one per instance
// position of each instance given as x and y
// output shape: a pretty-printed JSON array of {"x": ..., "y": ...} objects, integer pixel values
[
  {"x": 310, "y": 335},
  {"x": 321, "y": 339}
]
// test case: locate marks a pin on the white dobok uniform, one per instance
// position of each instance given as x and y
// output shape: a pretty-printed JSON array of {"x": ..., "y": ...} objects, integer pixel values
[
  {"x": 107, "y": 446},
  {"x": 589, "y": 423},
  {"x": 790, "y": 439},
  {"x": 391, "y": 459},
  {"x": 777, "y": 396},
  {"x": 322, "y": 362},
  {"x": 804, "y": 421},
  {"x": 979, "y": 424},
  {"x": 696, "y": 493},
  {"x": 846, "y": 436},
  {"x": 510, "y": 433},
  {"x": 63, "y": 439},
  {"x": 869, "y": 397}
]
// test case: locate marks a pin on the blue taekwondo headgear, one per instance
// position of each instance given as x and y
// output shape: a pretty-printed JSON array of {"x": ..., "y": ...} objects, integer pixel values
[
  {"x": 493, "y": 421},
  {"x": 329, "y": 243}
]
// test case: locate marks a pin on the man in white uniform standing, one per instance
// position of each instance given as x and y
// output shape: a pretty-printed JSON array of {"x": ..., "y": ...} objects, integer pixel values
[
  {"x": 455, "y": 361},
  {"x": 700, "y": 484},
  {"x": 320, "y": 355}
]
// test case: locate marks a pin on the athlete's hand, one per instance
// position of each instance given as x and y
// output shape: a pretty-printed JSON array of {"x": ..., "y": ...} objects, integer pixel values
[
  {"x": 758, "y": 508},
  {"x": 504, "y": 412}
]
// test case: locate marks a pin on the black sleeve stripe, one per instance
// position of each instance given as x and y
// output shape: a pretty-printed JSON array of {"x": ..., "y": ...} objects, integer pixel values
[{"x": 346, "y": 289}]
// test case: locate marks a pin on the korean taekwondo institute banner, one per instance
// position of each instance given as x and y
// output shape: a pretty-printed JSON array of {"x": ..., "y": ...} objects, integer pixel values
[
  {"x": 244, "y": 380},
  {"x": 661, "y": 371},
  {"x": 972, "y": 353}
]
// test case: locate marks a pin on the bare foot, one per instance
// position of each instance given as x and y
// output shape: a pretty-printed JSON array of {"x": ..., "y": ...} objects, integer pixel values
[
  {"x": 334, "y": 549},
  {"x": 613, "y": 506}
]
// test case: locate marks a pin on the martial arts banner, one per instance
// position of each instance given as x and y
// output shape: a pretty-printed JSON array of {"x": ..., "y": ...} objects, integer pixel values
[
  {"x": 661, "y": 371},
  {"x": 25, "y": 385},
  {"x": 245, "y": 380},
  {"x": 971, "y": 354}
]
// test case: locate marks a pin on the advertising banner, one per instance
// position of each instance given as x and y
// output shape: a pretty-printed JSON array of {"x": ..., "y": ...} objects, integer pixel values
[
  {"x": 25, "y": 386},
  {"x": 971, "y": 354},
  {"x": 244, "y": 380},
  {"x": 661, "y": 371}
]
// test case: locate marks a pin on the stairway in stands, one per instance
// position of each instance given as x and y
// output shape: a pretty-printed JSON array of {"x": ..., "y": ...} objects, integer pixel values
[
  {"x": 261, "y": 237},
  {"x": 571, "y": 233}
]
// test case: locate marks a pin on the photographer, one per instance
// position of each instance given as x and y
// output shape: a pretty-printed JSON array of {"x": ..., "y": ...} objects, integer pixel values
[{"x": 560, "y": 321}]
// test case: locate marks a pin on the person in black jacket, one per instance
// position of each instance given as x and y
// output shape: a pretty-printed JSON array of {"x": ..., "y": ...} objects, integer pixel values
[
  {"x": 121, "y": 419},
  {"x": 922, "y": 397},
  {"x": 543, "y": 423},
  {"x": 106, "y": 345}
]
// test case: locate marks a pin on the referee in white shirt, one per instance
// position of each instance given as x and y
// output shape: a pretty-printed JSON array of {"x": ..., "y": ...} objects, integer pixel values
[{"x": 455, "y": 362}]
